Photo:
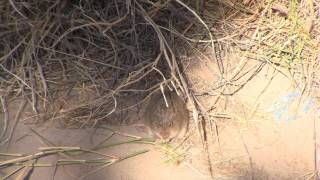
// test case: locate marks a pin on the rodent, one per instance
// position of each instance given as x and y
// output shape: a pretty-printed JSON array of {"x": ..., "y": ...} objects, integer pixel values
[{"x": 164, "y": 122}]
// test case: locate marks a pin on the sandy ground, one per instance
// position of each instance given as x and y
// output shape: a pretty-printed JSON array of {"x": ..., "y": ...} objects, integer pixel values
[
  {"x": 145, "y": 166},
  {"x": 269, "y": 136}
]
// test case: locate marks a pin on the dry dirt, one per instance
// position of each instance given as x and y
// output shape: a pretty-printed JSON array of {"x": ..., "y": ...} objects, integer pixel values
[{"x": 265, "y": 136}]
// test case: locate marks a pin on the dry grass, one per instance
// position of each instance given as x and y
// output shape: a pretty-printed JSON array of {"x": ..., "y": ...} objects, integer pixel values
[
  {"x": 53, "y": 50},
  {"x": 118, "y": 49},
  {"x": 113, "y": 49}
]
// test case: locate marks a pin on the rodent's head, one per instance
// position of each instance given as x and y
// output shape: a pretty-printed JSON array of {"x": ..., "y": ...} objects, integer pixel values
[
  {"x": 170, "y": 132},
  {"x": 163, "y": 129},
  {"x": 165, "y": 134}
]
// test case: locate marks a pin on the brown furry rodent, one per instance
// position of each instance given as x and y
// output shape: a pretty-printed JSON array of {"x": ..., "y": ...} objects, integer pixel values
[{"x": 165, "y": 122}]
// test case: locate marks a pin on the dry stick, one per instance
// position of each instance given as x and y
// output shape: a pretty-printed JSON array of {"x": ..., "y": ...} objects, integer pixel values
[
  {"x": 112, "y": 110},
  {"x": 4, "y": 106},
  {"x": 212, "y": 38},
  {"x": 246, "y": 72},
  {"x": 79, "y": 57},
  {"x": 52, "y": 6},
  {"x": 11, "y": 155},
  {"x": 79, "y": 66},
  {"x": 64, "y": 150},
  {"x": 26, "y": 172},
  {"x": 257, "y": 70},
  {"x": 256, "y": 102},
  {"x": 34, "y": 98},
  {"x": 50, "y": 151},
  {"x": 12, "y": 50},
  {"x": 158, "y": 7},
  {"x": 114, "y": 161},
  {"x": 16, "y": 76},
  {"x": 76, "y": 149},
  {"x": 243, "y": 62},
  {"x": 16, "y": 9},
  {"x": 108, "y": 24},
  {"x": 55, "y": 170},
  {"x": 12, "y": 173},
  {"x": 48, "y": 143},
  {"x": 181, "y": 35},
  {"x": 104, "y": 140},
  {"x": 61, "y": 106},
  {"x": 25, "y": 158},
  {"x": 44, "y": 82},
  {"x": 272, "y": 64},
  {"x": 42, "y": 139},
  {"x": 224, "y": 85},
  {"x": 316, "y": 150}
]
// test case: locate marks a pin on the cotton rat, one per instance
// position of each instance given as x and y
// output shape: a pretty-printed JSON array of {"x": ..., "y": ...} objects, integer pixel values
[{"x": 165, "y": 122}]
